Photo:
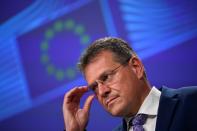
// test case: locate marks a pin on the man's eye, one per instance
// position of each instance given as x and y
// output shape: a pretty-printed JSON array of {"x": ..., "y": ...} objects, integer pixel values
[
  {"x": 105, "y": 77},
  {"x": 94, "y": 86}
]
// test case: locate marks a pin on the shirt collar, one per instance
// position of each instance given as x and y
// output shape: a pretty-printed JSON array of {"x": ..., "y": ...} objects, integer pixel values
[{"x": 151, "y": 102}]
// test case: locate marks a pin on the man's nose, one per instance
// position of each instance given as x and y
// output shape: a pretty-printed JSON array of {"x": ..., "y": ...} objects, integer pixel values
[{"x": 104, "y": 90}]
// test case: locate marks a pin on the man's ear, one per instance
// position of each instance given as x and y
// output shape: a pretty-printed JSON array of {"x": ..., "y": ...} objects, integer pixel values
[{"x": 137, "y": 67}]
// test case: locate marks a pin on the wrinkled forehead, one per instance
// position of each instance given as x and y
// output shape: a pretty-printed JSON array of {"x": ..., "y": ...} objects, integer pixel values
[
  {"x": 101, "y": 63},
  {"x": 102, "y": 54}
]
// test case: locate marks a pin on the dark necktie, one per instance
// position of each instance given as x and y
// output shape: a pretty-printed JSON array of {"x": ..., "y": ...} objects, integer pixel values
[{"x": 138, "y": 121}]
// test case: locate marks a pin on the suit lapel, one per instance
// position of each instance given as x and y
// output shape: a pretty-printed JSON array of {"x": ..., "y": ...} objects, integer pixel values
[
  {"x": 168, "y": 102},
  {"x": 124, "y": 125}
]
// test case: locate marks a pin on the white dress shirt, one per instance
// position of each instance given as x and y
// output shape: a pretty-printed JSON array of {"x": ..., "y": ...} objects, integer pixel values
[{"x": 149, "y": 107}]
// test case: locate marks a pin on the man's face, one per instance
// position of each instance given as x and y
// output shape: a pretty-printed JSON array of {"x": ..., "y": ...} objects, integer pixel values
[{"x": 123, "y": 94}]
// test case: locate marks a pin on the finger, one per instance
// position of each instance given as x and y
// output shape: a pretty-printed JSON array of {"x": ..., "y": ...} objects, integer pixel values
[
  {"x": 88, "y": 102},
  {"x": 77, "y": 91},
  {"x": 75, "y": 94},
  {"x": 78, "y": 94}
]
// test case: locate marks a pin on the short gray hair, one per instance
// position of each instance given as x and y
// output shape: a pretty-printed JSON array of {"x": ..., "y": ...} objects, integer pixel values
[{"x": 121, "y": 50}]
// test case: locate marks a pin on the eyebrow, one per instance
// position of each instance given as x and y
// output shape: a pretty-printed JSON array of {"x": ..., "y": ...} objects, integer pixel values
[{"x": 102, "y": 74}]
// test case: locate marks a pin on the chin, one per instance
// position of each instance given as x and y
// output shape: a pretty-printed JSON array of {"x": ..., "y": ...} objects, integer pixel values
[
  {"x": 116, "y": 111},
  {"x": 117, "y": 108}
]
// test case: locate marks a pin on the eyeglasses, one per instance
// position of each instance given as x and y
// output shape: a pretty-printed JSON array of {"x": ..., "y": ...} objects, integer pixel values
[{"x": 107, "y": 79}]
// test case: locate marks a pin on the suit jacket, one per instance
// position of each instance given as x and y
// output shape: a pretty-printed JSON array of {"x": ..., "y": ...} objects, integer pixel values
[{"x": 177, "y": 110}]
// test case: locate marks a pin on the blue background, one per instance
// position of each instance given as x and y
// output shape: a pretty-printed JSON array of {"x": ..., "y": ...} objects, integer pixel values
[{"x": 41, "y": 41}]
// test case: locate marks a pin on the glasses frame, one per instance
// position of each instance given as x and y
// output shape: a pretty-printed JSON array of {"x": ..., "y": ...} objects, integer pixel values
[{"x": 95, "y": 84}]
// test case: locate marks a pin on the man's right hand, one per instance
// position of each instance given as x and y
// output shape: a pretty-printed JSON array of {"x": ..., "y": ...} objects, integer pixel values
[{"x": 76, "y": 118}]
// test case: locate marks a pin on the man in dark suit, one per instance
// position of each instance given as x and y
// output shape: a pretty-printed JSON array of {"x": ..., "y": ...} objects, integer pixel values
[
  {"x": 176, "y": 110},
  {"x": 117, "y": 77}
]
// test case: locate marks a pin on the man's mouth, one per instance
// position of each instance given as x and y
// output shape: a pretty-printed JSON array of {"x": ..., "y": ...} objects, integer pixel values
[{"x": 110, "y": 100}]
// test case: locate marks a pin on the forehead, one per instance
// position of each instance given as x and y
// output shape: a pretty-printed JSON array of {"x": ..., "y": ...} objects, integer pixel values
[{"x": 102, "y": 62}]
